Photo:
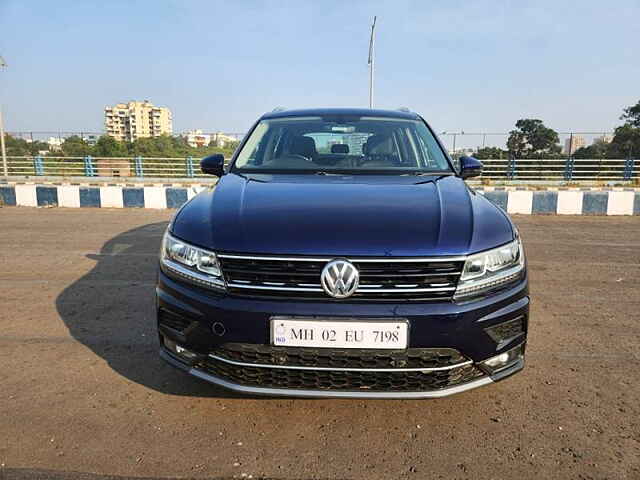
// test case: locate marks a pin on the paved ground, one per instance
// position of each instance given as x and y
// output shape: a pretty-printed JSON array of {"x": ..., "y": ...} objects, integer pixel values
[{"x": 82, "y": 388}]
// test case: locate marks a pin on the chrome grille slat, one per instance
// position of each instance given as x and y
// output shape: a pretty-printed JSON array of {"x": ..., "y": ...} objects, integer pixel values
[
  {"x": 359, "y": 290},
  {"x": 383, "y": 279},
  {"x": 355, "y": 260}
]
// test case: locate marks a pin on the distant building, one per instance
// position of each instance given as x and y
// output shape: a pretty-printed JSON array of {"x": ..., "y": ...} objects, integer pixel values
[
  {"x": 55, "y": 144},
  {"x": 90, "y": 138},
  {"x": 196, "y": 138},
  {"x": 355, "y": 141},
  {"x": 220, "y": 139},
  {"x": 462, "y": 152},
  {"x": 133, "y": 120},
  {"x": 606, "y": 138},
  {"x": 573, "y": 143}
]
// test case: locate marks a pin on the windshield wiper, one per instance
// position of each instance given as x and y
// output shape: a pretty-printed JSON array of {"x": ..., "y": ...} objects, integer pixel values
[
  {"x": 439, "y": 176},
  {"x": 419, "y": 173}
]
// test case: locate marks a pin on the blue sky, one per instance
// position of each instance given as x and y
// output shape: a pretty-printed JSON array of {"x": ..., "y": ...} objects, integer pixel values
[{"x": 473, "y": 66}]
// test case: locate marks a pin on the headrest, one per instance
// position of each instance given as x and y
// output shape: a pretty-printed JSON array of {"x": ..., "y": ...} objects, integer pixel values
[
  {"x": 379, "y": 144},
  {"x": 304, "y": 146},
  {"x": 340, "y": 148}
]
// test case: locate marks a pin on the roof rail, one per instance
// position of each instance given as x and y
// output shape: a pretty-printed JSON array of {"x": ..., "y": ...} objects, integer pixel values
[
  {"x": 278, "y": 109},
  {"x": 404, "y": 109}
]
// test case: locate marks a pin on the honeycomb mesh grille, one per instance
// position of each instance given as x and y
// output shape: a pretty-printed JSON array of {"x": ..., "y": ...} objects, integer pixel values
[
  {"x": 339, "y": 358},
  {"x": 414, "y": 381}
]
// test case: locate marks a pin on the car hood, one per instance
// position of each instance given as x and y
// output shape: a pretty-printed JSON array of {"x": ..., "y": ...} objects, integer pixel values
[{"x": 342, "y": 215}]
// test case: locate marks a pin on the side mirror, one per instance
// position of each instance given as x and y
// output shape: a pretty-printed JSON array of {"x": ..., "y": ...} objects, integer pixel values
[
  {"x": 470, "y": 167},
  {"x": 213, "y": 164}
]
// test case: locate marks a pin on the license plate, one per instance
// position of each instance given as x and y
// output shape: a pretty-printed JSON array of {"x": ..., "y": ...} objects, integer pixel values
[{"x": 384, "y": 334}]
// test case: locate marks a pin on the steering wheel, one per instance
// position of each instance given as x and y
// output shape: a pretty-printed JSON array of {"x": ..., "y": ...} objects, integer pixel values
[
  {"x": 290, "y": 160},
  {"x": 381, "y": 158}
]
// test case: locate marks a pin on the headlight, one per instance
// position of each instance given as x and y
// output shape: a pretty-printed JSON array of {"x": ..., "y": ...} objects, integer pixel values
[
  {"x": 490, "y": 269},
  {"x": 191, "y": 263}
]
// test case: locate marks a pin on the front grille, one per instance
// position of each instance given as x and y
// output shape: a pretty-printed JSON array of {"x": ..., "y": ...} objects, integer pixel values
[
  {"x": 402, "y": 381},
  {"x": 380, "y": 279},
  {"x": 339, "y": 357},
  {"x": 411, "y": 370}
]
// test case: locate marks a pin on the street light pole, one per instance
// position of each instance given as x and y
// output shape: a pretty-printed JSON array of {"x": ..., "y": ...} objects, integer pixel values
[
  {"x": 371, "y": 61},
  {"x": 5, "y": 171}
]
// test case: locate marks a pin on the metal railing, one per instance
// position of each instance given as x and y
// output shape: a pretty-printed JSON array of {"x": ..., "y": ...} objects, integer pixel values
[
  {"x": 521, "y": 170},
  {"x": 92, "y": 136},
  {"x": 89, "y": 166},
  {"x": 561, "y": 170}
]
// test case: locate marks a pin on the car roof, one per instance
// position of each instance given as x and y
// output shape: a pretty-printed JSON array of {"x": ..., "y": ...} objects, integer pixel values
[{"x": 362, "y": 112}]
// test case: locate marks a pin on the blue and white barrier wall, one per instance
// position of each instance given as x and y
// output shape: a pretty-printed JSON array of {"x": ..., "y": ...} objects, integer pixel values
[
  {"x": 554, "y": 201},
  {"x": 158, "y": 196}
]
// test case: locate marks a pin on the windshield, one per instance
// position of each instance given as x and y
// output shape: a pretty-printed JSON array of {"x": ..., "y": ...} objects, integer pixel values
[{"x": 341, "y": 144}]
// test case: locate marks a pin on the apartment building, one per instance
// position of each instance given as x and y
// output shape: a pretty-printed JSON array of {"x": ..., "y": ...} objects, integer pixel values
[
  {"x": 55, "y": 143},
  {"x": 133, "y": 120},
  {"x": 197, "y": 138},
  {"x": 604, "y": 138},
  {"x": 573, "y": 143},
  {"x": 220, "y": 139}
]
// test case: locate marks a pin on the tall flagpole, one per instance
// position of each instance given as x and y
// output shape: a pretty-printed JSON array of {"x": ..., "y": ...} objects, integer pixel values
[{"x": 371, "y": 61}]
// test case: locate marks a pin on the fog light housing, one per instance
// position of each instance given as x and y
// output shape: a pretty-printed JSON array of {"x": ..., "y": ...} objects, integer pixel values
[
  {"x": 506, "y": 332},
  {"x": 179, "y": 351},
  {"x": 503, "y": 360}
]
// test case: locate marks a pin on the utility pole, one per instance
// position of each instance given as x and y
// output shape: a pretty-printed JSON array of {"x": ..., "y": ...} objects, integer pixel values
[
  {"x": 4, "y": 151},
  {"x": 371, "y": 61},
  {"x": 571, "y": 145},
  {"x": 5, "y": 171}
]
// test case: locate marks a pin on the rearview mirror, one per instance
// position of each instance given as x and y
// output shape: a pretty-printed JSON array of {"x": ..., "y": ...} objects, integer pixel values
[
  {"x": 470, "y": 167},
  {"x": 213, "y": 164}
]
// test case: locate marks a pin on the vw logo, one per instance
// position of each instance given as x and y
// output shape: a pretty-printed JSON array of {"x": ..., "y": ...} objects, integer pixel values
[{"x": 340, "y": 278}]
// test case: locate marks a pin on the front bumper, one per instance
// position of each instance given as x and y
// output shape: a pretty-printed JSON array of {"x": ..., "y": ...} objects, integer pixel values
[{"x": 462, "y": 327}]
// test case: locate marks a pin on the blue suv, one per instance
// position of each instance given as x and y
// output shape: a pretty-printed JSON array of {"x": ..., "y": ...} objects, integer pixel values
[{"x": 342, "y": 254}]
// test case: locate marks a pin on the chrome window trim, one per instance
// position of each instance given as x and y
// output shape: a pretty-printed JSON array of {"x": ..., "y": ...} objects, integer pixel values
[{"x": 339, "y": 369}]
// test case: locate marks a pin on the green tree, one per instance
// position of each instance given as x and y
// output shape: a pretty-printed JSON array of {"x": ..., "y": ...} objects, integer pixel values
[
  {"x": 631, "y": 115},
  {"x": 37, "y": 146},
  {"x": 107, "y": 146},
  {"x": 164, "y": 146},
  {"x": 75, "y": 146},
  {"x": 19, "y": 147},
  {"x": 595, "y": 151},
  {"x": 626, "y": 142},
  {"x": 531, "y": 139},
  {"x": 485, "y": 153}
]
